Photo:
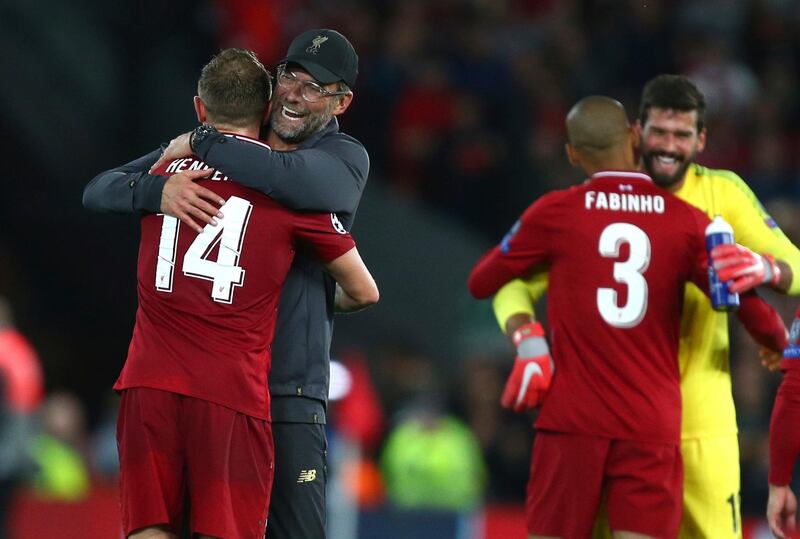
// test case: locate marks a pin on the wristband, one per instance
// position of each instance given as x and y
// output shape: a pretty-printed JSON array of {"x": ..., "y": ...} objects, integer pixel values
[
  {"x": 774, "y": 270},
  {"x": 199, "y": 134},
  {"x": 531, "y": 329}
]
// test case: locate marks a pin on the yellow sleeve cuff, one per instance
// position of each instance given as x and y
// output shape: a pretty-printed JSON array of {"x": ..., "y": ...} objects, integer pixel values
[{"x": 518, "y": 297}]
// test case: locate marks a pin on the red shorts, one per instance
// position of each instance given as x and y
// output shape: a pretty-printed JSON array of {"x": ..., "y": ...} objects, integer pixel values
[
  {"x": 172, "y": 446},
  {"x": 642, "y": 484}
]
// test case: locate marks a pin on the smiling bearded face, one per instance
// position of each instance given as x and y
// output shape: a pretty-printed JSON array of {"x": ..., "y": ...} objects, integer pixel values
[
  {"x": 293, "y": 118},
  {"x": 670, "y": 142}
]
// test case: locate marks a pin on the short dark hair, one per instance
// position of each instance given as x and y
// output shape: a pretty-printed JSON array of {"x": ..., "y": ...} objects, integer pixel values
[
  {"x": 235, "y": 88},
  {"x": 675, "y": 92}
]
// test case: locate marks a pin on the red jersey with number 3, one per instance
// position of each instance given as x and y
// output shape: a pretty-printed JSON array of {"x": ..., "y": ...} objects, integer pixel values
[
  {"x": 208, "y": 302},
  {"x": 619, "y": 251}
]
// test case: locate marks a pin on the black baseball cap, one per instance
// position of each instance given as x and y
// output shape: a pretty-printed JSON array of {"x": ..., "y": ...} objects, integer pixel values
[{"x": 326, "y": 55}]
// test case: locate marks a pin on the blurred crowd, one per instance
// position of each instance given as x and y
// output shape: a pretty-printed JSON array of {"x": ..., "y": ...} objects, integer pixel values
[{"x": 461, "y": 105}]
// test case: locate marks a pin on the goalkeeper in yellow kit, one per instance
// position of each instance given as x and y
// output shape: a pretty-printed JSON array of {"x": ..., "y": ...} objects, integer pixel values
[{"x": 672, "y": 133}]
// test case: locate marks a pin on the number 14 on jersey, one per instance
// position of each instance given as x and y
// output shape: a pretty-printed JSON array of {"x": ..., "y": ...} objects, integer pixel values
[{"x": 225, "y": 271}]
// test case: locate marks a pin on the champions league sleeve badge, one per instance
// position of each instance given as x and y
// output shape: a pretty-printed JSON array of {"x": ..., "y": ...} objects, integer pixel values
[
  {"x": 337, "y": 224},
  {"x": 792, "y": 351},
  {"x": 505, "y": 245}
]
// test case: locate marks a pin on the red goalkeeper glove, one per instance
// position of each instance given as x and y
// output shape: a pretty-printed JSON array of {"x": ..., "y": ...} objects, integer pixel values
[
  {"x": 737, "y": 263},
  {"x": 532, "y": 375}
]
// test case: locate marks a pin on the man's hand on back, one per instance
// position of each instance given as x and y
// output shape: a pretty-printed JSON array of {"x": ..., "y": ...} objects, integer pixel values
[
  {"x": 184, "y": 199},
  {"x": 178, "y": 147}
]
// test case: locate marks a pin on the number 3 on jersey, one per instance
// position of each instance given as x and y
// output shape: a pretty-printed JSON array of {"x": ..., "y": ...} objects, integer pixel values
[
  {"x": 225, "y": 272},
  {"x": 628, "y": 272}
]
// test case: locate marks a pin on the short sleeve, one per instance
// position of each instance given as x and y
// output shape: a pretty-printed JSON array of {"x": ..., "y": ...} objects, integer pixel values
[{"x": 324, "y": 234}]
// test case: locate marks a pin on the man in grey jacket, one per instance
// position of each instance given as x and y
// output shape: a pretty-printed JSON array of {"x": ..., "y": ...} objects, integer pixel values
[{"x": 309, "y": 165}]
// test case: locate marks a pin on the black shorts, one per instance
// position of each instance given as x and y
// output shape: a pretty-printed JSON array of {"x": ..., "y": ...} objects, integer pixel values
[{"x": 297, "y": 509}]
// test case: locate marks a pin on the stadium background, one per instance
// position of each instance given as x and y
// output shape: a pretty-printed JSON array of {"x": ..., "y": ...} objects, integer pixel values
[{"x": 460, "y": 104}]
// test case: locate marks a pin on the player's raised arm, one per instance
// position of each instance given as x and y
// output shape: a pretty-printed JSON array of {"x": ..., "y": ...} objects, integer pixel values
[
  {"x": 328, "y": 177},
  {"x": 126, "y": 189},
  {"x": 129, "y": 189},
  {"x": 326, "y": 237},
  {"x": 762, "y": 322},
  {"x": 355, "y": 287}
]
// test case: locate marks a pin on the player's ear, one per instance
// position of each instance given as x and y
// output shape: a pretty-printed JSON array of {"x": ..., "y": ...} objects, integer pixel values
[
  {"x": 701, "y": 140},
  {"x": 572, "y": 155},
  {"x": 637, "y": 130},
  {"x": 344, "y": 102},
  {"x": 632, "y": 148},
  {"x": 200, "y": 109},
  {"x": 634, "y": 136}
]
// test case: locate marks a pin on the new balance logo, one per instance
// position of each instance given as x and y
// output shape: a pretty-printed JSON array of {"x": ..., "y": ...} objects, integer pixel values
[{"x": 306, "y": 476}]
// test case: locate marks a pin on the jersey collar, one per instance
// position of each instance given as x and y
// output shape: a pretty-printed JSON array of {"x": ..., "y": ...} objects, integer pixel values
[
  {"x": 622, "y": 174},
  {"x": 245, "y": 138}
]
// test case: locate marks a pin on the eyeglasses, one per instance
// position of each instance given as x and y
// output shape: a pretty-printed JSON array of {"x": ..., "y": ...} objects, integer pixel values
[{"x": 311, "y": 91}]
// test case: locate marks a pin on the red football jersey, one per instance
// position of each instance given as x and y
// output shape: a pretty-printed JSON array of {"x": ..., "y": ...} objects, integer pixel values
[
  {"x": 619, "y": 251},
  {"x": 784, "y": 436},
  {"x": 208, "y": 302}
]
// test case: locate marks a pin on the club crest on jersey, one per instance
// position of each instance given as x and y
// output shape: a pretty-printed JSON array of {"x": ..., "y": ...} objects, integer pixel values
[
  {"x": 792, "y": 351},
  {"x": 505, "y": 245},
  {"x": 316, "y": 43},
  {"x": 337, "y": 224}
]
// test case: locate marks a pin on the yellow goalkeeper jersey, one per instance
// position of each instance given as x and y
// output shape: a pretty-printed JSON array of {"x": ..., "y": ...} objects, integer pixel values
[{"x": 708, "y": 408}]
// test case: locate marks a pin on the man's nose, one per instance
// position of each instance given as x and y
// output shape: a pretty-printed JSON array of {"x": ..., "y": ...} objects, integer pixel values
[
  {"x": 295, "y": 93},
  {"x": 667, "y": 143}
]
